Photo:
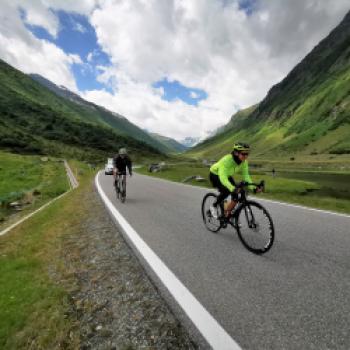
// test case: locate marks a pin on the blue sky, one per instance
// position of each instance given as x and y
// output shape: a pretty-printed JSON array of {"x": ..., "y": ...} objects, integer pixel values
[
  {"x": 77, "y": 36},
  {"x": 175, "y": 90},
  {"x": 248, "y": 6}
]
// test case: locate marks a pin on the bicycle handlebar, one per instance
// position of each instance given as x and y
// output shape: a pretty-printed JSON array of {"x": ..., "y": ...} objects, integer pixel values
[{"x": 246, "y": 184}]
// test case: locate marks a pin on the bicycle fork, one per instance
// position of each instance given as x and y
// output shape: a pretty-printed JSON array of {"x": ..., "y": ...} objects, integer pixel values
[{"x": 250, "y": 217}]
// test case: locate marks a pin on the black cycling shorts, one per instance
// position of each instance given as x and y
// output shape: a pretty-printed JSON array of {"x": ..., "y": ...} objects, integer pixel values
[{"x": 224, "y": 191}]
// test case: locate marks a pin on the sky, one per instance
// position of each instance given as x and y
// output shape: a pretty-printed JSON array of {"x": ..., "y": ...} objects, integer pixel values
[{"x": 180, "y": 68}]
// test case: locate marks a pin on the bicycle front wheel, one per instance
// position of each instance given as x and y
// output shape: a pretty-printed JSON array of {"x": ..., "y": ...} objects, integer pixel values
[
  {"x": 211, "y": 223},
  {"x": 255, "y": 227},
  {"x": 116, "y": 187},
  {"x": 123, "y": 189}
]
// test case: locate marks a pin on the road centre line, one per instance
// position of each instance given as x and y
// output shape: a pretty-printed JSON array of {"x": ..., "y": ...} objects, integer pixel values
[{"x": 210, "y": 329}]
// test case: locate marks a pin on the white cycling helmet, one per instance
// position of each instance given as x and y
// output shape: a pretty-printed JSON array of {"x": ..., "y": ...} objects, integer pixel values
[{"x": 122, "y": 151}]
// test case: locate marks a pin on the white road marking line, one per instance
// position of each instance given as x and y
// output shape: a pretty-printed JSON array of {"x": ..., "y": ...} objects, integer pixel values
[
  {"x": 302, "y": 207},
  {"x": 263, "y": 199},
  {"x": 211, "y": 330}
]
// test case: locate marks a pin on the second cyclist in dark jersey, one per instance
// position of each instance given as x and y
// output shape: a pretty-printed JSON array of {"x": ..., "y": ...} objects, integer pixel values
[{"x": 121, "y": 162}]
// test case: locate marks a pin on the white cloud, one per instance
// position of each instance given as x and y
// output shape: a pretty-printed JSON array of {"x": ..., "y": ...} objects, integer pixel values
[
  {"x": 21, "y": 49},
  {"x": 89, "y": 56},
  {"x": 79, "y": 28},
  {"x": 209, "y": 45},
  {"x": 40, "y": 16},
  {"x": 194, "y": 94},
  {"x": 234, "y": 57}
]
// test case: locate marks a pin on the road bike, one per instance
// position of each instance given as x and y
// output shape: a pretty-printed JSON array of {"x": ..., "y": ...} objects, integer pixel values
[
  {"x": 251, "y": 220},
  {"x": 120, "y": 187}
]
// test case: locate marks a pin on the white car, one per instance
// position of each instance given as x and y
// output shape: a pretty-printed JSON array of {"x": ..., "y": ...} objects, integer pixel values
[{"x": 109, "y": 167}]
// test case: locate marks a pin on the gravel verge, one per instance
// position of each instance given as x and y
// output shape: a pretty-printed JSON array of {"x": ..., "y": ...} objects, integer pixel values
[{"x": 113, "y": 300}]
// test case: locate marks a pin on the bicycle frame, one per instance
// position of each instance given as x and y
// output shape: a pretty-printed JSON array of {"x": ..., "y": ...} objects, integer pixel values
[
  {"x": 242, "y": 199},
  {"x": 246, "y": 215},
  {"x": 121, "y": 185}
]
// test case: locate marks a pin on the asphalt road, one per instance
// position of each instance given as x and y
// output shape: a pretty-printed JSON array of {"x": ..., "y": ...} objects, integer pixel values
[{"x": 297, "y": 296}]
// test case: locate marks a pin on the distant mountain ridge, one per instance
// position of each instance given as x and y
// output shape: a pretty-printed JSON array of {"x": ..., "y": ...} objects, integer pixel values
[
  {"x": 103, "y": 116},
  {"x": 171, "y": 144},
  {"x": 308, "y": 112},
  {"x": 33, "y": 119},
  {"x": 190, "y": 141}
]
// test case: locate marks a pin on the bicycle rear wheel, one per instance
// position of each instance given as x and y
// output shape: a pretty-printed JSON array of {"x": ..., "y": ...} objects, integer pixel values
[
  {"x": 255, "y": 227},
  {"x": 211, "y": 223}
]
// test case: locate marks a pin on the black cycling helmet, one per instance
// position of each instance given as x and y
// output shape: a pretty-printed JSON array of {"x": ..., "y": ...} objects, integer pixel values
[{"x": 241, "y": 147}]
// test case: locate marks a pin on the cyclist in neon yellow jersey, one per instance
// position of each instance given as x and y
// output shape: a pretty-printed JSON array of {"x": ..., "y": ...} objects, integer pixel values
[{"x": 221, "y": 176}]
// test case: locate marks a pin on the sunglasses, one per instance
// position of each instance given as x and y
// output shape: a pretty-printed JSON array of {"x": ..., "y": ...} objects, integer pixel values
[{"x": 244, "y": 154}]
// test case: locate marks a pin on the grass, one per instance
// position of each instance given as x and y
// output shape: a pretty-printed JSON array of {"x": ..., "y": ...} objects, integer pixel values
[
  {"x": 31, "y": 180},
  {"x": 280, "y": 188},
  {"x": 34, "y": 308}
]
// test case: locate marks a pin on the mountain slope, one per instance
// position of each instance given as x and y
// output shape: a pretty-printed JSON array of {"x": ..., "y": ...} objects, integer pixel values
[
  {"x": 96, "y": 114},
  {"x": 34, "y": 119},
  {"x": 190, "y": 141},
  {"x": 171, "y": 145},
  {"x": 307, "y": 113}
]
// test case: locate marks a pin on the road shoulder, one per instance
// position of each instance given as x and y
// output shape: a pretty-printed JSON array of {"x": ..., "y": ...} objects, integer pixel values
[{"x": 116, "y": 304}]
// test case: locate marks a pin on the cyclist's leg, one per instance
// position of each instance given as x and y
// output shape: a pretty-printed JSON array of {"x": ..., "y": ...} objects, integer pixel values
[
  {"x": 224, "y": 193},
  {"x": 234, "y": 198},
  {"x": 124, "y": 185},
  {"x": 215, "y": 181},
  {"x": 116, "y": 182}
]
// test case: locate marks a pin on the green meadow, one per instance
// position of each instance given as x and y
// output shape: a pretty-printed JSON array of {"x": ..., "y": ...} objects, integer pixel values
[
  {"x": 313, "y": 188},
  {"x": 30, "y": 181},
  {"x": 35, "y": 309}
]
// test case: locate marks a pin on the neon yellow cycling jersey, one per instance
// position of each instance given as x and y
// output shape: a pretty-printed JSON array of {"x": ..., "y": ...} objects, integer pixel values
[{"x": 227, "y": 167}]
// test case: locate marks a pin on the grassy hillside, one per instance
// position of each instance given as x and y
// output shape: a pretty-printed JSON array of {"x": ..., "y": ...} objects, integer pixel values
[
  {"x": 35, "y": 120},
  {"x": 98, "y": 115},
  {"x": 30, "y": 181},
  {"x": 306, "y": 115},
  {"x": 170, "y": 145}
]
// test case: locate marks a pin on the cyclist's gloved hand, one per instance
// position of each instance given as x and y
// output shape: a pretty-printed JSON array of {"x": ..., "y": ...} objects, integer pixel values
[{"x": 257, "y": 189}]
